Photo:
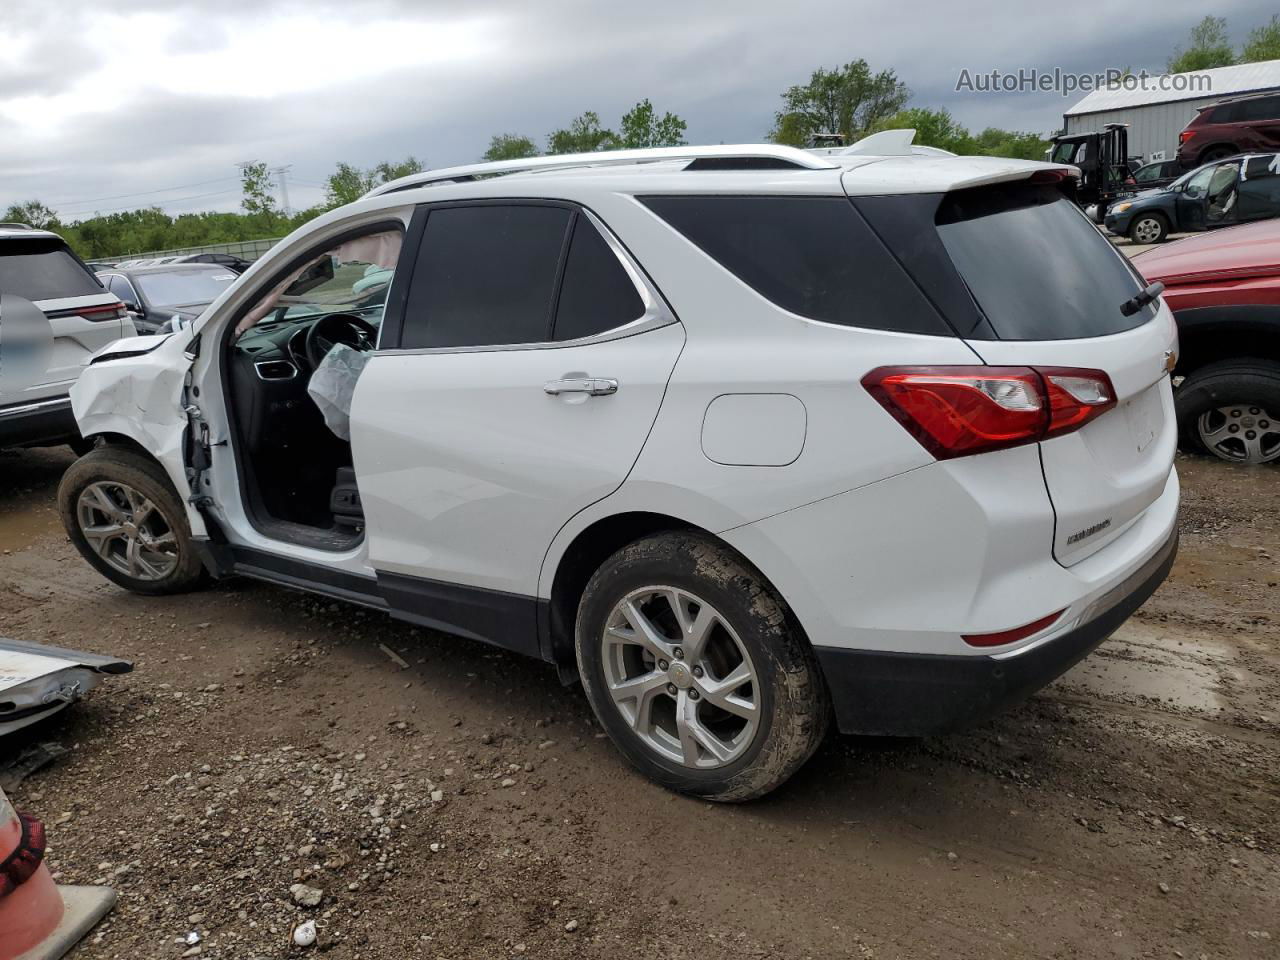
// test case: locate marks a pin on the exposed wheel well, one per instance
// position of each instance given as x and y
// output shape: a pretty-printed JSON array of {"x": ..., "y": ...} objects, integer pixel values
[
  {"x": 589, "y": 549},
  {"x": 1209, "y": 343},
  {"x": 1215, "y": 148},
  {"x": 120, "y": 440}
]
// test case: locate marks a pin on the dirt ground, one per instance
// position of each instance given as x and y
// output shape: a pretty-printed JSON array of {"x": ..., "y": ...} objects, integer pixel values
[{"x": 466, "y": 805}]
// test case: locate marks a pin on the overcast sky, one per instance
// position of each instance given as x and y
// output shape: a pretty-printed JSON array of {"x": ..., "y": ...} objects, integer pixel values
[{"x": 155, "y": 101}]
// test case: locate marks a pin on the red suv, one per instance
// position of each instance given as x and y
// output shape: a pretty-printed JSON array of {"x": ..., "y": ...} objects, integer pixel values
[
  {"x": 1246, "y": 125},
  {"x": 1224, "y": 290}
]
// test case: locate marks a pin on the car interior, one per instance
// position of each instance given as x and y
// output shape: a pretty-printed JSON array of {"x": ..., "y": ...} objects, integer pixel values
[{"x": 291, "y": 436}]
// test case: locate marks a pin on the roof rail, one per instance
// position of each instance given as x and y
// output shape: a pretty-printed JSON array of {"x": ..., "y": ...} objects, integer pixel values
[
  {"x": 17, "y": 225},
  {"x": 792, "y": 156}
]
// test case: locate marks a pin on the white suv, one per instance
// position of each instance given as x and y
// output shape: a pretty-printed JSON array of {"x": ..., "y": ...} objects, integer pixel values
[
  {"x": 54, "y": 314},
  {"x": 735, "y": 435}
]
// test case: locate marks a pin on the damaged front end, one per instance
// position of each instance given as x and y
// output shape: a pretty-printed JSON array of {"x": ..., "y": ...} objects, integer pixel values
[{"x": 137, "y": 389}]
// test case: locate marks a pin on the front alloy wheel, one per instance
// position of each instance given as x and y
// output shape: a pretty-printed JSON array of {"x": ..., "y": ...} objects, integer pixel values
[{"x": 127, "y": 530}]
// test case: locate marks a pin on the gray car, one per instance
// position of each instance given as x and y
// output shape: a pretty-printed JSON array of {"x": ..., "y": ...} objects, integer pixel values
[{"x": 154, "y": 295}]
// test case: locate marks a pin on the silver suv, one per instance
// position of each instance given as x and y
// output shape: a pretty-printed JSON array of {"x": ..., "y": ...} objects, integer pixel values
[{"x": 54, "y": 314}]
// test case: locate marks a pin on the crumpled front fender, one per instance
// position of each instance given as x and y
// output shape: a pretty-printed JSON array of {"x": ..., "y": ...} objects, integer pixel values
[{"x": 139, "y": 396}]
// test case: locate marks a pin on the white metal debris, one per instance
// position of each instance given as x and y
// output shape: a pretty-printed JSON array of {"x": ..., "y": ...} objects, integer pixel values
[{"x": 37, "y": 680}]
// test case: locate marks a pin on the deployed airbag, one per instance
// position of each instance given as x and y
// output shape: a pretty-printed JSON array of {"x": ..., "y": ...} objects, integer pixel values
[{"x": 333, "y": 384}]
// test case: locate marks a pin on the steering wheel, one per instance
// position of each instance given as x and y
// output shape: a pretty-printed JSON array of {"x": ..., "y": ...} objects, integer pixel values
[{"x": 355, "y": 332}]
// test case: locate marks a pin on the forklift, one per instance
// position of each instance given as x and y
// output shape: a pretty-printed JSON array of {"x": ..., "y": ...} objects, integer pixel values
[{"x": 1106, "y": 170}]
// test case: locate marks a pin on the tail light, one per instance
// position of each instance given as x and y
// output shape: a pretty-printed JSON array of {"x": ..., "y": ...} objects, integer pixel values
[
  {"x": 1011, "y": 636},
  {"x": 109, "y": 311},
  {"x": 1185, "y": 135},
  {"x": 958, "y": 411}
]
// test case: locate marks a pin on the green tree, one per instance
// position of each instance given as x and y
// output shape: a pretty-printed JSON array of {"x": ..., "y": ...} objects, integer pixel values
[
  {"x": 1208, "y": 48},
  {"x": 994, "y": 142},
  {"x": 1263, "y": 42},
  {"x": 510, "y": 146},
  {"x": 934, "y": 128},
  {"x": 849, "y": 100},
  {"x": 642, "y": 127},
  {"x": 33, "y": 212},
  {"x": 583, "y": 135},
  {"x": 348, "y": 183},
  {"x": 385, "y": 172},
  {"x": 255, "y": 184}
]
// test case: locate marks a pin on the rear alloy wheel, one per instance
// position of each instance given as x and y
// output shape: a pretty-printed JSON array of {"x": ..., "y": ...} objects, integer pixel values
[
  {"x": 696, "y": 669},
  {"x": 1231, "y": 409},
  {"x": 122, "y": 514},
  {"x": 1217, "y": 153},
  {"x": 1148, "y": 228}
]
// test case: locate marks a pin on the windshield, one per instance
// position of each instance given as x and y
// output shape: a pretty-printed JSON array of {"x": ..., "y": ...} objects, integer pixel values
[
  {"x": 175, "y": 288},
  {"x": 1035, "y": 265}
]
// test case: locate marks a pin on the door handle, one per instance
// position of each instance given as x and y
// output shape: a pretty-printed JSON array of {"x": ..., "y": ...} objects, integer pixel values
[{"x": 591, "y": 386}]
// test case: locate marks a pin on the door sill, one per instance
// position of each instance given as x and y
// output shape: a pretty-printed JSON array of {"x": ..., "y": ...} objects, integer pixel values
[{"x": 311, "y": 577}]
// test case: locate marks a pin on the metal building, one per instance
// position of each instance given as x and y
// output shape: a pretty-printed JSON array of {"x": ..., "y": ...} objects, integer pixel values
[{"x": 1156, "y": 116}]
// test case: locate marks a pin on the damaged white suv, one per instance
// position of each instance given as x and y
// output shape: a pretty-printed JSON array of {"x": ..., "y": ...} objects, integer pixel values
[{"x": 736, "y": 435}]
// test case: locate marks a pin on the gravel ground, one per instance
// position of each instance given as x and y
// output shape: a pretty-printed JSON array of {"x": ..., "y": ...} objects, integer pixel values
[{"x": 268, "y": 764}]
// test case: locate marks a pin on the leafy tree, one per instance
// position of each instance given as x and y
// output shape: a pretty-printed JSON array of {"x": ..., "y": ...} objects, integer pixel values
[
  {"x": 583, "y": 135},
  {"x": 33, "y": 212},
  {"x": 937, "y": 128},
  {"x": 255, "y": 183},
  {"x": 642, "y": 127},
  {"x": 1208, "y": 48},
  {"x": 348, "y": 184},
  {"x": 849, "y": 100},
  {"x": 510, "y": 146},
  {"x": 1263, "y": 42},
  {"x": 386, "y": 172}
]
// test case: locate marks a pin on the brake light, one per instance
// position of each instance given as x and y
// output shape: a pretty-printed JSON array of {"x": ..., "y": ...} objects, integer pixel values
[
  {"x": 109, "y": 311},
  {"x": 1186, "y": 135},
  {"x": 1010, "y": 636},
  {"x": 958, "y": 411}
]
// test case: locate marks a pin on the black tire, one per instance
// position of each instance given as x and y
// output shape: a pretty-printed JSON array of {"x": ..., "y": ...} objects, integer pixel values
[
  {"x": 1216, "y": 153},
  {"x": 114, "y": 464},
  {"x": 1249, "y": 382},
  {"x": 791, "y": 698},
  {"x": 1161, "y": 226}
]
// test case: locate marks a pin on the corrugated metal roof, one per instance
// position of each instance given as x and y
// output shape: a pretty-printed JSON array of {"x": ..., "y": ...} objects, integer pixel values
[{"x": 1222, "y": 82}]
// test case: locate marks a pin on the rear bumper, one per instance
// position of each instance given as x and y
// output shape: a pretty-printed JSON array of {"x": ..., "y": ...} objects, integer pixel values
[
  {"x": 916, "y": 694},
  {"x": 36, "y": 422}
]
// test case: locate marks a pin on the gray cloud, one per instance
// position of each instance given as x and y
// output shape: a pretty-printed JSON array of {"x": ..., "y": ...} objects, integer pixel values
[{"x": 721, "y": 67}]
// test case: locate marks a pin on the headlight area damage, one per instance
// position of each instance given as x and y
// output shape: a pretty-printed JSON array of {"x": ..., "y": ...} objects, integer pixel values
[{"x": 134, "y": 389}]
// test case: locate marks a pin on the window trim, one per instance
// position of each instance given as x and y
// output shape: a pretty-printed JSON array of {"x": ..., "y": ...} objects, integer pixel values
[
  {"x": 129, "y": 283},
  {"x": 657, "y": 313}
]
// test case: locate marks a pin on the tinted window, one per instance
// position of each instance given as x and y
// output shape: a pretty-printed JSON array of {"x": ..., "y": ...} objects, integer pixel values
[
  {"x": 1260, "y": 189},
  {"x": 1035, "y": 265},
  {"x": 485, "y": 275},
  {"x": 1264, "y": 108},
  {"x": 814, "y": 256},
  {"x": 1227, "y": 113},
  {"x": 43, "y": 269},
  {"x": 122, "y": 289},
  {"x": 596, "y": 294}
]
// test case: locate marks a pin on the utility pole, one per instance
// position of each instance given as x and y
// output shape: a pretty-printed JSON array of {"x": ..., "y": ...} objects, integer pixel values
[{"x": 281, "y": 173}]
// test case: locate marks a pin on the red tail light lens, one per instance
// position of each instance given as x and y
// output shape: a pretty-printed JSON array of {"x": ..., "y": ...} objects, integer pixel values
[
  {"x": 110, "y": 311},
  {"x": 1186, "y": 135},
  {"x": 958, "y": 411}
]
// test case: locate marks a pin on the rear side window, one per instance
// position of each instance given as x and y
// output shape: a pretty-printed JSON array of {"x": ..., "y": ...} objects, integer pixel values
[
  {"x": 43, "y": 269},
  {"x": 486, "y": 275},
  {"x": 1035, "y": 266},
  {"x": 1264, "y": 108},
  {"x": 596, "y": 294},
  {"x": 814, "y": 256}
]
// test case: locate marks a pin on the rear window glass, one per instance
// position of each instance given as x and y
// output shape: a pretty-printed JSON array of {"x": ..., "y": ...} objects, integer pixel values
[
  {"x": 1035, "y": 265},
  {"x": 814, "y": 256},
  {"x": 43, "y": 269},
  {"x": 596, "y": 294}
]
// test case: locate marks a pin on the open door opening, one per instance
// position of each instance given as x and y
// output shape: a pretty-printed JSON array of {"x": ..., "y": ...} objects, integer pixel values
[{"x": 291, "y": 366}]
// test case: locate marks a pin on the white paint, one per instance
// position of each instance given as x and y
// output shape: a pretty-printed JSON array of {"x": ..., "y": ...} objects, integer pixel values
[{"x": 754, "y": 429}]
